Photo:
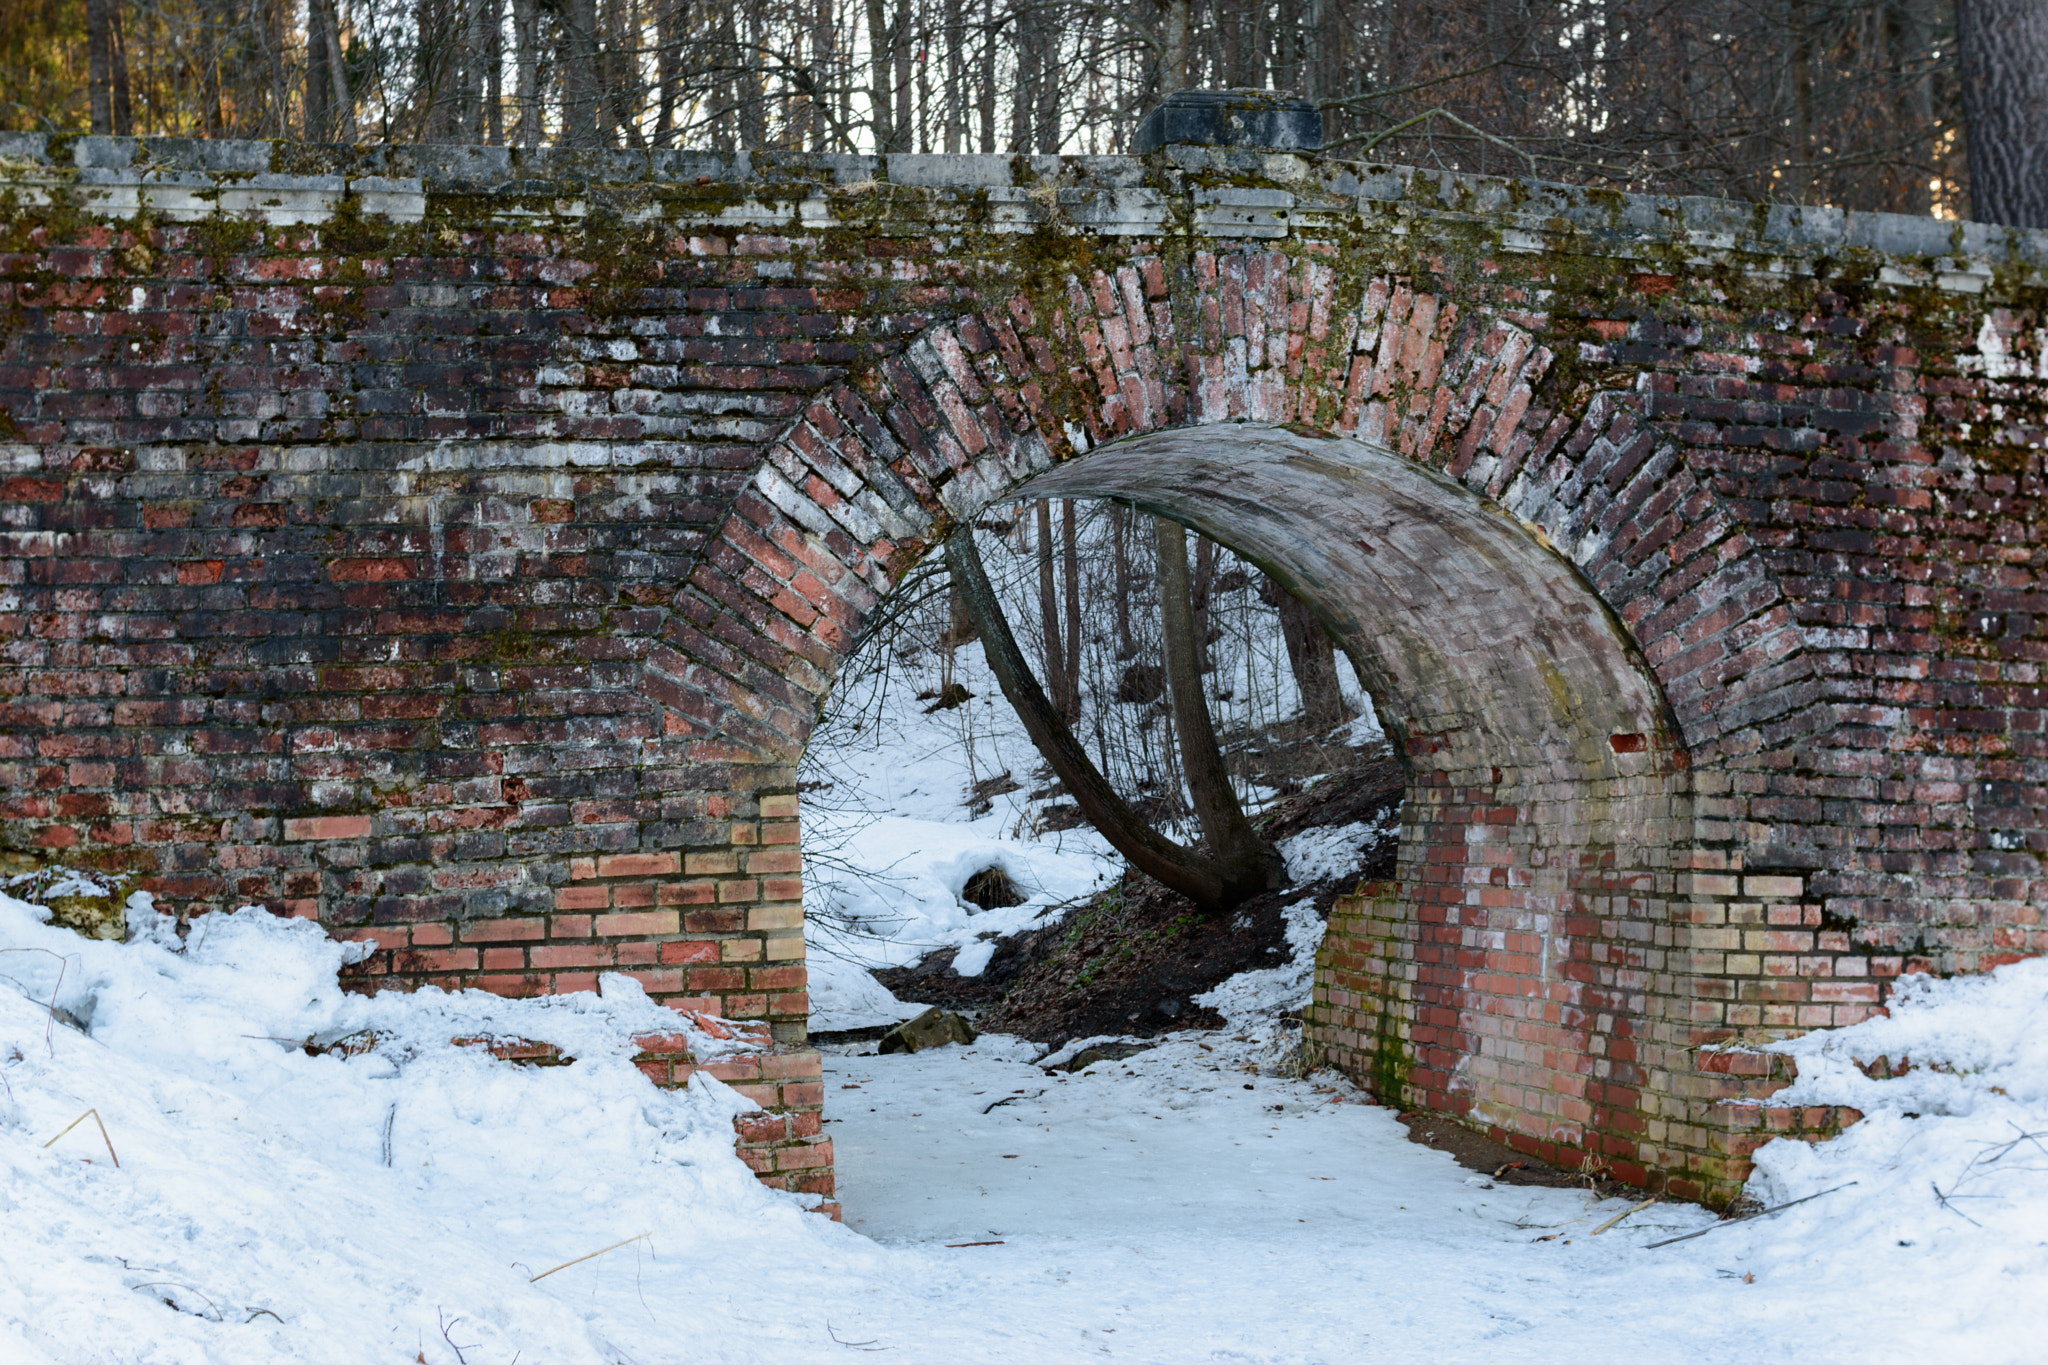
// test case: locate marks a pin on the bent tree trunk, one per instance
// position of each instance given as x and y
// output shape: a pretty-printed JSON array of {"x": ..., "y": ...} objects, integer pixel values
[
  {"x": 1203, "y": 879},
  {"x": 1249, "y": 860}
]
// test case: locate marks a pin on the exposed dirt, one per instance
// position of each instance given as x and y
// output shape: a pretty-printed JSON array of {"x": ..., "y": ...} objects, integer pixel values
[
  {"x": 1505, "y": 1166},
  {"x": 1130, "y": 960}
]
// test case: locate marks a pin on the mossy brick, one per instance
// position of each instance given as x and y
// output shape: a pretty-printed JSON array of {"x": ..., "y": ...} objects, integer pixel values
[{"x": 649, "y": 746}]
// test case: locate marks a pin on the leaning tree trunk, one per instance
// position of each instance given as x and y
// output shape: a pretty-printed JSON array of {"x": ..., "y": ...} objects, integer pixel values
[
  {"x": 1213, "y": 886},
  {"x": 2003, "y": 51},
  {"x": 1252, "y": 861}
]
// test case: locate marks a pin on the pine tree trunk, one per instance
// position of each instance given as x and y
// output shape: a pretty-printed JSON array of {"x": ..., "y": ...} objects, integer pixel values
[{"x": 2003, "y": 50}]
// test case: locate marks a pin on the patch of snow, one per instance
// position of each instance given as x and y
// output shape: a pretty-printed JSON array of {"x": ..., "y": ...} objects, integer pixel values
[
  {"x": 1066, "y": 1052},
  {"x": 845, "y": 995},
  {"x": 1330, "y": 851},
  {"x": 892, "y": 890},
  {"x": 274, "y": 1205},
  {"x": 1945, "y": 1179},
  {"x": 1252, "y": 999},
  {"x": 973, "y": 960}
]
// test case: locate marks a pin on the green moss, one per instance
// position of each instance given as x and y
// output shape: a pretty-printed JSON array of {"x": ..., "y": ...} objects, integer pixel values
[{"x": 1391, "y": 1062}]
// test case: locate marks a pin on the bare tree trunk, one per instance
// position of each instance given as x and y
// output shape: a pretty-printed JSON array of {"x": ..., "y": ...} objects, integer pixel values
[
  {"x": 1049, "y": 615},
  {"x": 579, "y": 73},
  {"x": 1070, "y": 553},
  {"x": 2004, "y": 59},
  {"x": 1313, "y": 658},
  {"x": 494, "y": 71},
  {"x": 1175, "y": 63},
  {"x": 1205, "y": 579},
  {"x": 987, "y": 93},
  {"x": 1120, "y": 543},
  {"x": 469, "y": 104},
  {"x": 881, "y": 99},
  {"x": 526, "y": 33},
  {"x": 99, "y": 63},
  {"x": 904, "y": 125},
  {"x": 1251, "y": 861},
  {"x": 753, "y": 113},
  {"x": 331, "y": 113},
  {"x": 1201, "y": 877},
  {"x": 955, "y": 82}
]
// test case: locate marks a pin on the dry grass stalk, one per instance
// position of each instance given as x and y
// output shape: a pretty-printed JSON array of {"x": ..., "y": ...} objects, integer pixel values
[
  {"x": 1633, "y": 1208},
  {"x": 94, "y": 1115},
  {"x": 581, "y": 1259}
]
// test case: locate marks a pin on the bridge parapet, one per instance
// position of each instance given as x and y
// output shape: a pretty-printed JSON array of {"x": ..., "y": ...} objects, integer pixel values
[
  {"x": 1230, "y": 192},
  {"x": 456, "y": 545}
]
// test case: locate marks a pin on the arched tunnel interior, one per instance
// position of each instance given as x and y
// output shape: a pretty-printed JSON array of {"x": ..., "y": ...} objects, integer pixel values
[{"x": 1500, "y": 976}]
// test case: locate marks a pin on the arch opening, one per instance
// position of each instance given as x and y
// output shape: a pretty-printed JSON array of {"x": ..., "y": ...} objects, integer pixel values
[{"x": 1501, "y": 975}]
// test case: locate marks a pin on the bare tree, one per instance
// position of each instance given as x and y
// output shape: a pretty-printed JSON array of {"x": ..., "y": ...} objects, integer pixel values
[{"x": 1216, "y": 878}]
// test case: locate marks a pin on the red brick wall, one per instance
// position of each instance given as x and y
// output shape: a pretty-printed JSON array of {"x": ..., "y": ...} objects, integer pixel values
[{"x": 469, "y": 577}]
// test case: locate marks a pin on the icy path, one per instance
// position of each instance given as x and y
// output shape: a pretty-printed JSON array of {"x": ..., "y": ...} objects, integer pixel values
[{"x": 1171, "y": 1215}]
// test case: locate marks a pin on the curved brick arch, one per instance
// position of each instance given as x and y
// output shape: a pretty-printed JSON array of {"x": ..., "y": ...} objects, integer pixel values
[{"x": 1507, "y": 974}]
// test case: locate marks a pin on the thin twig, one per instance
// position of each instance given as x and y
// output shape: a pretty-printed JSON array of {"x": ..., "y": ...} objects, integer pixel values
[
  {"x": 1943, "y": 1200},
  {"x": 581, "y": 1259},
  {"x": 868, "y": 1345},
  {"x": 94, "y": 1115},
  {"x": 447, "y": 1325},
  {"x": 151, "y": 1284},
  {"x": 50, "y": 1025},
  {"x": 1729, "y": 1221},
  {"x": 1377, "y": 138},
  {"x": 1633, "y": 1208}
]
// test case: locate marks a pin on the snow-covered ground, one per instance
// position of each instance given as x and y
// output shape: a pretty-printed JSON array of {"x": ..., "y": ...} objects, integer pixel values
[
  {"x": 421, "y": 1202},
  {"x": 184, "y": 1179}
]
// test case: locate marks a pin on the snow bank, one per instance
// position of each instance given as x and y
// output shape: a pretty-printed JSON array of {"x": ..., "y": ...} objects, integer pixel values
[
  {"x": 1945, "y": 1179},
  {"x": 275, "y": 1205},
  {"x": 892, "y": 893}
]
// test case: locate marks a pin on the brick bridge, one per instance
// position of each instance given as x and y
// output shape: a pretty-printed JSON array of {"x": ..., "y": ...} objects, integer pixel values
[{"x": 456, "y": 545}]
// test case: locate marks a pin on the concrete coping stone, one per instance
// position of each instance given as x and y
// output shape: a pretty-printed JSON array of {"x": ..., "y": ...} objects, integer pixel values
[{"x": 1102, "y": 193}]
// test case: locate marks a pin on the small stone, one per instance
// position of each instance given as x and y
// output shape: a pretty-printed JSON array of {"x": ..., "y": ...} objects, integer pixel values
[{"x": 934, "y": 1028}]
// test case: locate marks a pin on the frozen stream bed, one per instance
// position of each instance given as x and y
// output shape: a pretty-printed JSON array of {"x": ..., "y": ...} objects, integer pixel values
[{"x": 1157, "y": 1210}]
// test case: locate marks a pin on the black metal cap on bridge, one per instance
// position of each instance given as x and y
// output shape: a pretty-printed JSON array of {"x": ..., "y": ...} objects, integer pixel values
[{"x": 1232, "y": 118}]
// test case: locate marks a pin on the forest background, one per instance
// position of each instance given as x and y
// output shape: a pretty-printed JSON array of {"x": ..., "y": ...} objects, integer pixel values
[{"x": 1853, "y": 103}]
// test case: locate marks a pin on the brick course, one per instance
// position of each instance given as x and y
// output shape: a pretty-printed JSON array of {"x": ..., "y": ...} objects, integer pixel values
[{"x": 455, "y": 545}]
